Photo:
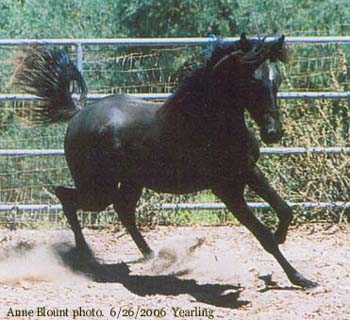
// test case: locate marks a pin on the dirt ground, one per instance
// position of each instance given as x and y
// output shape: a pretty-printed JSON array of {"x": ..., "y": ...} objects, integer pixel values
[{"x": 198, "y": 273}]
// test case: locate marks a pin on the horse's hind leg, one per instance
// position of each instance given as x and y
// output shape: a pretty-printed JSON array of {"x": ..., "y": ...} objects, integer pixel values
[
  {"x": 125, "y": 205},
  {"x": 258, "y": 182},
  {"x": 235, "y": 202},
  {"x": 69, "y": 200}
]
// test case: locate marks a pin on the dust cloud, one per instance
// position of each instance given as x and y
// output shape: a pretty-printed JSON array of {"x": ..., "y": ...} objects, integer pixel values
[
  {"x": 181, "y": 256},
  {"x": 178, "y": 256},
  {"x": 27, "y": 262}
]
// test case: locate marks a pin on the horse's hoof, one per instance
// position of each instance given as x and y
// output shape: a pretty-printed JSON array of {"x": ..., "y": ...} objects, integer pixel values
[
  {"x": 301, "y": 281},
  {"x": 146, "y": 257}
]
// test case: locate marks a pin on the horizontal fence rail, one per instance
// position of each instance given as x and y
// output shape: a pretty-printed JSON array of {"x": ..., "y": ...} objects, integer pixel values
[
  {"x": 256, "y": 205},
  {"x": 186, "y": 206},
  {"x": 264, "y": 151},
  {"x": 160, "y": 41},
  {"x": 163, "y": 96}
]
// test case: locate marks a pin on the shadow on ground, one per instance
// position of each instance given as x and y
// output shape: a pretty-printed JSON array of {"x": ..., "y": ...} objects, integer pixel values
[{"x": 85, "y": 263}]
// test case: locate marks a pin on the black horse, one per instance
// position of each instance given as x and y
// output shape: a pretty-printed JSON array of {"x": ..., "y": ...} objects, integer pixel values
[{"x": 196, "y": 140}]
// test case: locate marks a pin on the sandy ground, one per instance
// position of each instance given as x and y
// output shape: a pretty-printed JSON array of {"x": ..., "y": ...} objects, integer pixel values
[{"x": 198, "y": 273}]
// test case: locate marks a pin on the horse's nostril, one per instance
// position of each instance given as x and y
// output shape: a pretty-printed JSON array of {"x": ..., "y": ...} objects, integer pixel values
[{"x": 271, "y": 131}]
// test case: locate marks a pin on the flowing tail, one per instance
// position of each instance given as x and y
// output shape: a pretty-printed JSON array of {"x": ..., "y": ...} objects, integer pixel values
[{"x": 48, "y": 74}]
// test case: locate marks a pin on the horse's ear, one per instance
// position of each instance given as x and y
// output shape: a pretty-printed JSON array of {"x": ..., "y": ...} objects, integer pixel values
[
  {"x": 280, "y": 42},
  {"x": 243, "y": 37},
  {"x": 243, "y": 41},
  {"x": 279, "y": 51}
]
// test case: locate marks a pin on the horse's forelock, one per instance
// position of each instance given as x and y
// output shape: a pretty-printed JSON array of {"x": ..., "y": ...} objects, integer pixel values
[{"x": 263, "y": 50}]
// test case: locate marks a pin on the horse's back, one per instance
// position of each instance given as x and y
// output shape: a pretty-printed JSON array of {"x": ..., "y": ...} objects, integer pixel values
[{"x": 112, "y": 110}]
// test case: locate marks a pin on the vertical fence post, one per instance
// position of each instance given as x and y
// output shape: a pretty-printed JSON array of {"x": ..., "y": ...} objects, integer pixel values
[
  {"x": 13, "y": 219},
  {"x": 80, "y": 56}
]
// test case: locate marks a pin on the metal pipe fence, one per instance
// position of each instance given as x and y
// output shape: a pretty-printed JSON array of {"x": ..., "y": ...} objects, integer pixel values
[
  {"x": 80, "y": 43},
  {"x": 263, "y": 151},
  {"x": 79, "y": 47},
  {"x": 186, "y": 206},
  {"x": 163, "y": 96}
]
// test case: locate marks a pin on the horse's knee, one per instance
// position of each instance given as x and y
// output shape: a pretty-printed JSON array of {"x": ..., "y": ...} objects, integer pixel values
[
  {"x": 267, "y": 239},
  {"x": 281, "y": 232}
]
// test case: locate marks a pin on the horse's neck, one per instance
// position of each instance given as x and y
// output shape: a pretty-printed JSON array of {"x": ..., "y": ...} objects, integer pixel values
[
  {"x": 200, "y": 100},
  {"x": 199, "y": 114}
]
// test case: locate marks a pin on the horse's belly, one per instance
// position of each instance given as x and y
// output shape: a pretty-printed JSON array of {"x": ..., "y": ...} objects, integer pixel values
[
  {"x": 185, "y": 173},
  {"x": 176, "y": 185},
  {"x": 172, "y": 177}
]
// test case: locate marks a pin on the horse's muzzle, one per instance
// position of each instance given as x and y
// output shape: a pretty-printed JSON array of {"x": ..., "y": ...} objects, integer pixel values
[
  {"x": 271, "y": 130},
  {"x": 271, "y": 137}
]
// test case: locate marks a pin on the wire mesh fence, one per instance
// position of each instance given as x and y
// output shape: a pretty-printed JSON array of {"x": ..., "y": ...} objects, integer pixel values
[{"x": 320, "y": 67}]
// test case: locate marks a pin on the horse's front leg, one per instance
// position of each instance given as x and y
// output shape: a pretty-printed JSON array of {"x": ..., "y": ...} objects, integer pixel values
[
  {"x": 232, "y": 197},
  {"x": 260, "y": 185}
]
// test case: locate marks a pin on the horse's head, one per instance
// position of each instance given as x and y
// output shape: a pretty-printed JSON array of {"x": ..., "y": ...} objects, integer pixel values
[{"x": 251, "y": 66}]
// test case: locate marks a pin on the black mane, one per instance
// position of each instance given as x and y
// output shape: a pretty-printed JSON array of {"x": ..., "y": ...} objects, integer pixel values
[{"x": 198, "y": 82}]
